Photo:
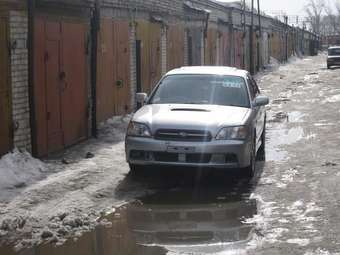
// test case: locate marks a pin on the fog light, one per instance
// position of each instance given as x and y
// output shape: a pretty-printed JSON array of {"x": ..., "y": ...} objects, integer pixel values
[{"x": 218, "y": 158}]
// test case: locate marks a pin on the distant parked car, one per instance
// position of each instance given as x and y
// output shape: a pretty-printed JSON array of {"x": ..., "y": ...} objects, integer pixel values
[
  {"x": 333, "y": 58},
  {"x": 199, "y": 117}
]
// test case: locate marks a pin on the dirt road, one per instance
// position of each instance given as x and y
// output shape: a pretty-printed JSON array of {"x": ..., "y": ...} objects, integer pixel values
[{"x": 290, "y": 207}]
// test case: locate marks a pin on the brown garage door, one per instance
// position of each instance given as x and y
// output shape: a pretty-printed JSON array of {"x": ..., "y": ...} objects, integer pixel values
[
  {"x": 194, "y": 47},
  {"x": 175, "y": 47},
  {"x": 211, "y": 49},
  {"x": 224, "y": 50},
  {"x": 5, "y": 93},
  {"x": 149, "y": 35},
  {"x": 238, "y": 42},
  {"x": 113, "y": 86},
  {"x": 60, "y": 84}
]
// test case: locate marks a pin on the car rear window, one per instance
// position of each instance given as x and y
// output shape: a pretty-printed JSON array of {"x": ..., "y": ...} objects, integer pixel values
[
  {"x": 202, "y": 89},
  {"x": 334, "y": 52}
]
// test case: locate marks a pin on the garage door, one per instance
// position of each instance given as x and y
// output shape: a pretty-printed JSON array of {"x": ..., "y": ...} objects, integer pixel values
[
  {"x": 149, "y": 35},
  {"x": 211, "y": 47},
  {"x": 60, "y": 84},
  {"x": 5, "y": 92},
  {"x": 175, "y": 45},
  {"x": 113, "y": 85}
]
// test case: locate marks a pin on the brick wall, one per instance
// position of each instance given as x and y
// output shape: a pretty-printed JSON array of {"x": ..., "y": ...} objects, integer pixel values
[{"x": 18, "y": 24}]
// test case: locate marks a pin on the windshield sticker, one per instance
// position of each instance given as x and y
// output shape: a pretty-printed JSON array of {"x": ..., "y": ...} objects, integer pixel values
[{"x": 228, "y": 84}]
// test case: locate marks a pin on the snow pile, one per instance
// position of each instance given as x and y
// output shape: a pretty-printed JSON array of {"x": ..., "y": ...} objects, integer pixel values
[
  {"x": 293, "y": 58},
  {"x": 273, "y": 64},
  {"x": 114, "y": 128},
  {"x": 19, "y": 169}
]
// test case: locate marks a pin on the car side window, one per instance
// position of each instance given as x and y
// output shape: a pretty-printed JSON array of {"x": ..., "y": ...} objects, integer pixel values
[
  {"x": 256, "y": 88},
  {"x": 251, "y": 88}
]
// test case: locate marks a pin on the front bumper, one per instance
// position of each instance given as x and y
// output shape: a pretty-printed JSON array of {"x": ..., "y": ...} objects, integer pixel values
[
  {"x": 333, "y": 62},
  {"x": 214, "y": 154}
]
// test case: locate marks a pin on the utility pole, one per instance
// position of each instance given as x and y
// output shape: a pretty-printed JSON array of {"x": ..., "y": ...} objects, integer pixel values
[
  {"x": 95, "y": 27},
  {"x": 244, "y": 16},
  {"x": 244, "y": 33},
  {"x": 286, "y": 31},
  {"x": 30, "y": 45},
  {"x": 260, "y": 35},
  {"x": 251, "y": 41}
]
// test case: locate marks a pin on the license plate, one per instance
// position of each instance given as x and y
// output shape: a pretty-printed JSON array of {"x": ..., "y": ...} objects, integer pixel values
[
  {"x": 182, "y": 158},
  {"x": 180, "y": 149}
]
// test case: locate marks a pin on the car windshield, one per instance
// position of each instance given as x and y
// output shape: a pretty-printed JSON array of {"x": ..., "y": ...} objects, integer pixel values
[
  {"x": 334, "y": 52},
  {"x": 202, "y": 89}
]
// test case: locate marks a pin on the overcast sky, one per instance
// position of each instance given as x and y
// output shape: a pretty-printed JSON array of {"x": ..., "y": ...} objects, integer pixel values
[{"x": 290, "y": 7}]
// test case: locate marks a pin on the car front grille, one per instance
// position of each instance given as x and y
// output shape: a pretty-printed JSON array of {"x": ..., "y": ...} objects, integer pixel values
[
  {"x": 337, "y": 60},
  {"x": 183, "y": 135}
]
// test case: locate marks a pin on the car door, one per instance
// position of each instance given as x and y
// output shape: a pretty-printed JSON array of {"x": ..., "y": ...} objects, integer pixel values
[
  {"x": 261, "y": 113},
  {"x": 258, "y": 111}
]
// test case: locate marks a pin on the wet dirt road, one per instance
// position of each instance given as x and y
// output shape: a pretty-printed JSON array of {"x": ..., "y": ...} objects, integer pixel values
[{"x": 290, "y": 207}]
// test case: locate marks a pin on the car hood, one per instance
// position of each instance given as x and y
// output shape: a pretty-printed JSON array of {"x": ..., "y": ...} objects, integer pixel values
[{"x": 191, "y": 117}]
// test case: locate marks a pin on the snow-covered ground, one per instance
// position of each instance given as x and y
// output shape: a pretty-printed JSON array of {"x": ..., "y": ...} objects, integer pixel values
[{"x": 66, "y": 194}]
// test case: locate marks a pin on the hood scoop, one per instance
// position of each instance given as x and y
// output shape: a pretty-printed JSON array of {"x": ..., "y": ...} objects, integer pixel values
[{"x": 189, "y": 110}]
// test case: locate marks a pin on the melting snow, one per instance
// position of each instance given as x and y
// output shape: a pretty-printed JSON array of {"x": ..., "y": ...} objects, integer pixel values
[
  {"x": 301, "y": 242},
  {"x": 19, "y": 169},
  {"x": 332, "y": 99}
]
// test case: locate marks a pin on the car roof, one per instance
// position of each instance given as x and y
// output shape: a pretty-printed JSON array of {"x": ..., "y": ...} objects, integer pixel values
[{"x": 214, "y": 70}]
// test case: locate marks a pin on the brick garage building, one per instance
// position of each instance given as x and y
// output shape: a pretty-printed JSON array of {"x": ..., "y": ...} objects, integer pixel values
[
  {"x": 71, "y": 64},
  {"x": 14, "y": 109}
]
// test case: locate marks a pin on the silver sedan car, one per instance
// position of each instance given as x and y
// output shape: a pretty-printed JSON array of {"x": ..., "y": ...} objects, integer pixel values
[{"x": 199, "y": 117}]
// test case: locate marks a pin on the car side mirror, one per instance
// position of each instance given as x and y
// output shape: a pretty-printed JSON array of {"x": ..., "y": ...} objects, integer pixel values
[
  {"x": 141, "y": 98},
  {"x": 261, "y": 101}
]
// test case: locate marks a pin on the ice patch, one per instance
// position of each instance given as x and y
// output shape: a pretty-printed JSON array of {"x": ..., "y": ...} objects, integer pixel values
[
  {"x": 296, "y": 117},
  {"x": 332, "y": 99},
  {"x": 320, "y": 251},
  {"x": 266, "y": 215},
  {"x": 300, "y": 242},
  {"x": 323, "y": 124},
  {"x": 289, "y": 175}
]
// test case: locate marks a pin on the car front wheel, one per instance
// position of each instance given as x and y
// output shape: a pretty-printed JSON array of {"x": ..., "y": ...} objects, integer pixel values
[
  {"x": 136, "y": 169},
  {"x": 261, "y": 155},
  {"x": 249, "y": 171}
]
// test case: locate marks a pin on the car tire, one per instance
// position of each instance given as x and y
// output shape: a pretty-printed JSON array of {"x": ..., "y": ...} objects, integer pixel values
[
  {"x": 249, "y": 171},
  {"x": 261, "y": 155},
  {"x": 136, "y": 169},
  {"x": 328, "y": 67}
]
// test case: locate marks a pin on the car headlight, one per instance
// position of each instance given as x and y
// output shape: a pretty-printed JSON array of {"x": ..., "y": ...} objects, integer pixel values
[
  {"x": 233, "y": 133},
  {"x": 138, "y": 129}
]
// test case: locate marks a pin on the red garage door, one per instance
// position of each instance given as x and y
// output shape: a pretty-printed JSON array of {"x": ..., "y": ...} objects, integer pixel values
[
  {"x": 60, "y": 84},
  {"x": 113, "y": 84}
]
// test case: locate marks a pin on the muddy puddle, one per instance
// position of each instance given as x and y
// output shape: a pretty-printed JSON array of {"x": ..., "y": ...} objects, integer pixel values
[{"x": 207, "y": 219}]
